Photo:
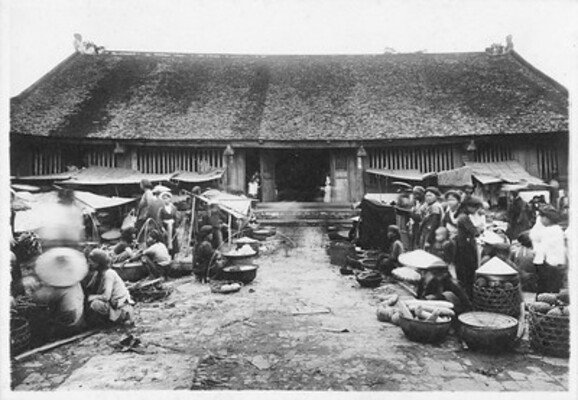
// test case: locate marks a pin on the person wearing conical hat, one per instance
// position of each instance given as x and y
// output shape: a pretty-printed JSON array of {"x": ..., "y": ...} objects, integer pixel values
[{"x": 56, "y": 283}]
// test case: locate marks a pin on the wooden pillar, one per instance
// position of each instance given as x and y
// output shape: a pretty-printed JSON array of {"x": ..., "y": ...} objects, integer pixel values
[
  {"x": 237, "y": 168},
  {"x": 267, "y": 161}
]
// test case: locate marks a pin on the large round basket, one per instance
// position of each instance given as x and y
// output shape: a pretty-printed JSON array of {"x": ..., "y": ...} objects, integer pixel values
[
  {"x": 38, "y": 317},
  {"x": 19, "y": 335},
  {"x": 369, "y": 280},
  {"x": 502, "y": 297},
  {"x": 131, "y": 272},
  {"x": 150, "y": 294},
  {"x": 240, "y": 273},
  {"x": 424, "y": 331},
  {"x": 549, "y": 334},
  {"x": 487, "y": 331}
]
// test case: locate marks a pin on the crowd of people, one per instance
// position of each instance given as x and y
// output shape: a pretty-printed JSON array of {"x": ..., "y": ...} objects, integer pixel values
[{"x": 454, "y": 226}]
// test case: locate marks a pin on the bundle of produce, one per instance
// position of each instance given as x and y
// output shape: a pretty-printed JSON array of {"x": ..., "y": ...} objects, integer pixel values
[
  {"x": 549, "y": 323},
  {"x": 27, "y": 246},
  {"x": 225, "y": 287}
]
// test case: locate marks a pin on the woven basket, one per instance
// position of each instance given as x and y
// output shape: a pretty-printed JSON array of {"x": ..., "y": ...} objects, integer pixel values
[
  {"x": 498, "y": 299},
  {"x": 19, "y": 335},
  {"x": 549, "y": 334},
  {"x": 147, "y": 295},
  {"x": 38, "y": 317}
]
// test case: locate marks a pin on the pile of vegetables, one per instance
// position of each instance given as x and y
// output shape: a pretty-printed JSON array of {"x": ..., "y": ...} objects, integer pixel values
[
  {"x": 433, "y": 311},
  {"x": 553, "y": 304}
]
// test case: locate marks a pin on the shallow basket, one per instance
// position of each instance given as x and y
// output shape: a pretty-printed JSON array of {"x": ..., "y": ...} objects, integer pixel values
[
  {"x": 549, "y": 334},
  {"x": 148, "y": 295},
  {"x": 131, "y": 272},
  {"x": 19, "y": 335},
  {"x": 498, "y": 299},
  {"x": 369, "y": 281},
  {"x": 424, "y": 331},
  {"x": 240, "y": 273},
  {"x": 488, "y": 331}
]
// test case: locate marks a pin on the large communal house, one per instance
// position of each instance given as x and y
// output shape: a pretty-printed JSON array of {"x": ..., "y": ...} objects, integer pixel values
[{"x": 296, "y": 120}]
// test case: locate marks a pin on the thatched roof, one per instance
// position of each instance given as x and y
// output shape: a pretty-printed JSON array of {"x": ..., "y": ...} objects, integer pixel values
[{"x": 120, "y": 95}]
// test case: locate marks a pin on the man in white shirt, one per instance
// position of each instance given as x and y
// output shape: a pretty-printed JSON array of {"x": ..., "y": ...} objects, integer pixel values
[{"x": 550, "y": 248}]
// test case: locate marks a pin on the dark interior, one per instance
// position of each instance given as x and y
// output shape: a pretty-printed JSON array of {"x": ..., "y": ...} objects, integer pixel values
[{"x": 300, "y": 174}]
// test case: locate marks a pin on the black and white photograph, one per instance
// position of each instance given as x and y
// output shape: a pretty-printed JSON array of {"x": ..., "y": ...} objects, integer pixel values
[{"x": 288, "y": 198}]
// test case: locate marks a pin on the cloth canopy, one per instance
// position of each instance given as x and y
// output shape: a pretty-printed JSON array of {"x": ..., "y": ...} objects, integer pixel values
[
  {"x": 375, "y": 218},
  {"x": 196, "y": 177},
  {"x": 503, "y": 172},
  {"x": 455, "y": 177},
  {"x": 112, "y": 176},
  {"x": 238, "y": 206},
  {"x": 40, "y": 203},
  {"x": 406, "y": 174}
]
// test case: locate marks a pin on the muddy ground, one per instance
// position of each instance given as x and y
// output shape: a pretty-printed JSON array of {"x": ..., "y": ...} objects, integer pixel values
[{"x": 299, "y": 326}]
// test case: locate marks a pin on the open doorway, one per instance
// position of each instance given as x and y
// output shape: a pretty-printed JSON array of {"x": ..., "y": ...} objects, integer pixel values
[{"x": 300, "y": 175}]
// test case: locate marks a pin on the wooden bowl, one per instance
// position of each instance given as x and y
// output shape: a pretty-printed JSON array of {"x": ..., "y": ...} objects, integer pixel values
[
  {"x": 240, "y": 273},
  {"x": 131, "y": 272}
]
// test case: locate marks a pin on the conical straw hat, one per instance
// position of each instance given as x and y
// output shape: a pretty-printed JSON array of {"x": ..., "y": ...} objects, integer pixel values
[
  {"x": 61, "y": 267},
  {"x": 421, "y": 259},
  {"x": 496, "y": 267}
]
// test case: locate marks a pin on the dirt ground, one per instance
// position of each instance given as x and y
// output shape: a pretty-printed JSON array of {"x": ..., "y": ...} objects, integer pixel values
[{"x": 285, "y": 331}]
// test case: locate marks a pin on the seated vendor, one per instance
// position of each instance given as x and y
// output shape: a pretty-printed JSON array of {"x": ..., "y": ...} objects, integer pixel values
[
  {"x": 156, "y": 256},
  {"x": 389, "y": 261},
  {"x": 522, "y": 255},
  {"x": 108, "y": 298},
  {"x": 124, "y": 249},
  {"x": 437, "y": 284}
]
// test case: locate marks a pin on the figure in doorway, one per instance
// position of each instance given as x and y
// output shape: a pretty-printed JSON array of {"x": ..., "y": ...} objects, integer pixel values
[{"x": 327, "y": 190}]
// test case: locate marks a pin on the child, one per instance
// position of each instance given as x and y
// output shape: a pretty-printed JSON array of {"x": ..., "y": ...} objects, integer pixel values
[
  {"x": 390, "y": 261},
  {"x": 443, "y": 247},
  {"x": 522, "y": 256}
]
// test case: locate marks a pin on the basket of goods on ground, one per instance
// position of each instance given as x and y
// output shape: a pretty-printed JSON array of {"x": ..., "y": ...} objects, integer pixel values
[
  {"x": 487, "y": 331},
  {"x": 19, "y": 335},
  {"x": 240, "y": 273},
  {"x": 38, "y": 317},
  {"x": 146, "y": 292},
  {"x": 369, "y": 279},
  {"x": 254, "y": 243},
  {"x": 239, "y": 256},
  {"x": 425, "y": 323},
  {"x": 338, "y": 252},
  {"x": 497, "y": 288},
  {"x": 263, "y": 233},
  {"x": 549, "y": 323},
  {"x": 131, "y": 271}
]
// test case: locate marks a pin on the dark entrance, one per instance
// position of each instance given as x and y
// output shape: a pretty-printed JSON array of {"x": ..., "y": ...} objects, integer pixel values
[{"x": 300, "y": 174}]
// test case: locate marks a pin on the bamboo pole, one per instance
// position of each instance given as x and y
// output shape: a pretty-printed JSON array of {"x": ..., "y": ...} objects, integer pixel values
[{"x": 53, "y": 345}]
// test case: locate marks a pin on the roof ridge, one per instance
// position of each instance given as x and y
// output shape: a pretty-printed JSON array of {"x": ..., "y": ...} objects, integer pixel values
[{"x": 262, "y": 55}]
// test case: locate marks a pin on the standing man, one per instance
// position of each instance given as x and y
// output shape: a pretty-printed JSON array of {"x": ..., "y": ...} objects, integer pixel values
[
  {"x": 518, "y": 216},
  {"x": 143, "y": 209}
]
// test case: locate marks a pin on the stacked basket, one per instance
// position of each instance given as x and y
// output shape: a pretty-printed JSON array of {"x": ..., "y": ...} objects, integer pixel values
[
  {"x": 497, "y": 289},
  {"x": 549, "y": 324}
]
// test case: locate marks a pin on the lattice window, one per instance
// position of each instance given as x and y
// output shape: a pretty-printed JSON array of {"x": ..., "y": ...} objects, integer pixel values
[
  {"x": 424, "y": 159},
  {"x": 493, "y": 152},
  {"x": 46, "y": 160},
  {"x": 160, "y": 161},
  {"x": 547, "y": 161},
  {"x": 100, "y": 157}
]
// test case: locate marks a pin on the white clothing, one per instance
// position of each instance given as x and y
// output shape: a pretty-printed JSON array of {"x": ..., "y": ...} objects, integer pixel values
[
  {"x": 549, "y": 245},
  {"x": 253, "y": 188}
]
